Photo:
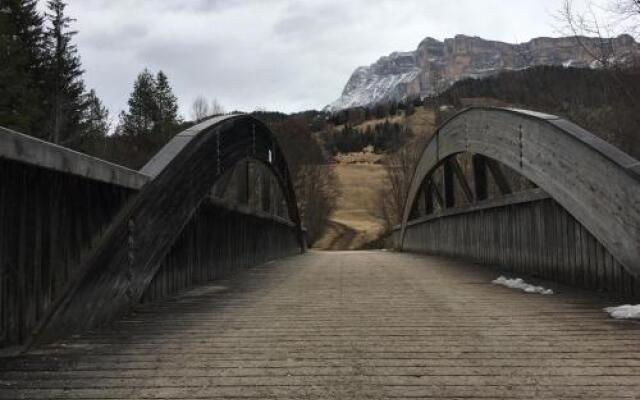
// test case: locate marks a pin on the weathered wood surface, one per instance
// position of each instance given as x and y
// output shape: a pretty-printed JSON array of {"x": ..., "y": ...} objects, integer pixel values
[
  {"x": 32, "y": 151},
  {"x": 525, "y": 233},
  {"x": 346, "y": 325},
  {"x": 56, "y": 205},
  {"x": 49, "y": 219},
  {"x": 202, "y": 254},
  {"x": 595, "y": 182},
  {"x": 116, "y": 273}
]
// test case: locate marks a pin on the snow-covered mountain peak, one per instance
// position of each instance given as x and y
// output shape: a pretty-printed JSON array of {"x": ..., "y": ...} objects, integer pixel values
[{"x": 435, "y": 65}]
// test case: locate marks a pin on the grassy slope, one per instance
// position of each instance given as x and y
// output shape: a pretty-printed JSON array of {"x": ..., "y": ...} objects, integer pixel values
[{"x": 357, "y": 219}]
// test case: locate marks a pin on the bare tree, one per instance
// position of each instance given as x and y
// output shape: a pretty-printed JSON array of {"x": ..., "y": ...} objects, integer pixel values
[
  {"x": 315, "y": 187},
  {"x": 626, "y": 8},
  {"x": 200, "y": 109},
  {"x": 626, "y": 14},
  {"x": 216, "y": 108},
  {"x": 594, "y": 33},
  {"x": 399, "y": 168},
  {"x": 590, "y": 33}
]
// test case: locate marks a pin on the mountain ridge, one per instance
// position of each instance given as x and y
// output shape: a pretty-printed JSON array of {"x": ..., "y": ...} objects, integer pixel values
[{"x": 435, "y": 65}]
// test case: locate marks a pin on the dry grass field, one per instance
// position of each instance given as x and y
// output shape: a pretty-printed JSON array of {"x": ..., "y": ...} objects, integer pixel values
[
  {"x": 356, "y": 220},
  {"x": 422, "y": 122}
]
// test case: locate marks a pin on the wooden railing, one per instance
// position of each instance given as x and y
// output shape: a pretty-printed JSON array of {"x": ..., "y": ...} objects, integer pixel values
[
  {"x": 580, "y": 224},
  {"x": 59, "y": 215}
]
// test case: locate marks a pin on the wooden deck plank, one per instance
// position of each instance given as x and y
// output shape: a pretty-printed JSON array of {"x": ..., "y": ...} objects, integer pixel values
[{"x": 345, "y": 325}]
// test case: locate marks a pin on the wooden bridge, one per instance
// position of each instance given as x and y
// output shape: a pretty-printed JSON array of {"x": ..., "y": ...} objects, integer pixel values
[{"x": 189, "y": 279}]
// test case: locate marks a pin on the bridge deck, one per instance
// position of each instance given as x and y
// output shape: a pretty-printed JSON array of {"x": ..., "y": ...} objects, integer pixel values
[{"x": 345, "y": 326}]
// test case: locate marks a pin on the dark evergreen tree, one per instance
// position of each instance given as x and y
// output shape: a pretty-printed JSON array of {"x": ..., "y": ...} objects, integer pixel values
[
  {"x": 95, "y": 118},
  {"x": 153, "y": 109},
  {"x": 167, "y": 107},
  {"x": 65, "y": 88},
  {"x": 22, "y": 67},
  {"x": 143, "y": 112}
]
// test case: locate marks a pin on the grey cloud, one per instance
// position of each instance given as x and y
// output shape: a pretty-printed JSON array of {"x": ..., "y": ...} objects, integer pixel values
[
  {"x": 115, "y": 38},
  {"x": 277, "y": 54}
]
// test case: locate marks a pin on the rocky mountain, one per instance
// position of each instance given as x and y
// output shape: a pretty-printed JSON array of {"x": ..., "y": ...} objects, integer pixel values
[{"x": 436, "y": 65}]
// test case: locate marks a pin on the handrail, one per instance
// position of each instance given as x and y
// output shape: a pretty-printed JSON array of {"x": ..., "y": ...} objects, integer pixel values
[{"x": 29, "y": 150}]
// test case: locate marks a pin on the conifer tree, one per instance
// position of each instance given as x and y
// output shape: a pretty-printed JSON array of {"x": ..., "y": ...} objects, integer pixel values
[
  {"x": 167, "y": 106},
  {"x": 143, "y": 112},
  {"x": 22, "y": 59},
  {"x": 95, "y": 118},
  {"x": 153, "y": 109},
  {"x": 65, "y": 89}
]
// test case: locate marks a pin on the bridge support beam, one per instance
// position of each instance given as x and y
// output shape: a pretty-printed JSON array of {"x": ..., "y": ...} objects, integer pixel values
[
  {"x": 480, "y": 177},
  {"x": 498, "y": 177},
  {"x": 428, "y": 198},
  {"x": 462, "y": 180},
  {"x": 448, "y": 184},
  {"x": 265, "y": 190},
  {"x": 242, "y": 182}
]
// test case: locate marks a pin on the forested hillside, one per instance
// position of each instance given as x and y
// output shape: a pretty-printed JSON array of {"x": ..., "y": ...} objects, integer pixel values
[{"x": 603, "y": 101}]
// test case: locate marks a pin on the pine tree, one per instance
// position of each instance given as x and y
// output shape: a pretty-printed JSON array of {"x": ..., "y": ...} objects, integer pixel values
[
  {"x": 143, "y": 112},
  {"x": 65, "y": 85},
  {"x": 22, "y": 67},
  {"x": 95, "y": 118},
  {"x": 167, "y": 107}
]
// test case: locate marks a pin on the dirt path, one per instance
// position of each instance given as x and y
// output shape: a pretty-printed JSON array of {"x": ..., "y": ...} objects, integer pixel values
[{"x": 356, "y": 220}]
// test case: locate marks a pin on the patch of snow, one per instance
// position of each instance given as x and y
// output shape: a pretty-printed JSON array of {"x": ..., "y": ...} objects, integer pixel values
[
  {"x": 596, "y": 64},
  {"x": 567, "y": 64},
  {"x": 518, "y": 283},
  {"x": 366, "y": 87},
  {"x": 626, "y": 311}
]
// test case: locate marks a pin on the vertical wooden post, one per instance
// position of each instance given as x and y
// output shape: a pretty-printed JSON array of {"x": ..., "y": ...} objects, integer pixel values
[
  {"x": 428, "y": 199},
  {"x": 480, "y": 177},
  {"x": 243, "y": 182},
  {"x": 447, "y": 182},
  {"x": 266, "y": 191}
]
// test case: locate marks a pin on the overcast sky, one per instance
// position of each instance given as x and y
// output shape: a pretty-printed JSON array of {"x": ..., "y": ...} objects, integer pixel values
[{"x": 286, "y": 55}]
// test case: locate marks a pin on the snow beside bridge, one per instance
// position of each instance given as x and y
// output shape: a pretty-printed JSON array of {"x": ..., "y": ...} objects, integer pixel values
[
  {"x": 518, "y": 283},
  {"x": 626, "y": 311}
]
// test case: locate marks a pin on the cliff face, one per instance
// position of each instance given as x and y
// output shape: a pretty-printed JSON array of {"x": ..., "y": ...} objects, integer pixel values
[{"x": 435, "y": 65}]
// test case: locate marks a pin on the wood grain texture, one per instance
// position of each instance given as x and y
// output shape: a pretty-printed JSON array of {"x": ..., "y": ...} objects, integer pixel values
[
  {"x": 595, "y": 182},
  {"x": 82, "y": 239},
  {"x": 525, "y": 236},
  {"x": 116, "y": 273},
  {"x": 49, "y": 221},
  {"x": 346, "y": 325},
  {"x": 33, "y": 151}
]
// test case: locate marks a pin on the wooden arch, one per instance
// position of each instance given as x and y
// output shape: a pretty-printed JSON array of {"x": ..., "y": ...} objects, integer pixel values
[
  {"x": 118, "y": 269},
  {"x": 595, "y": 182}
]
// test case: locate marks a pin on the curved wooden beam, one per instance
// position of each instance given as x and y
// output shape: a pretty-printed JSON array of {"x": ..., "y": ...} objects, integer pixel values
[
  {"x": 594, "y": 181},
  {"x": 119, "y": 268}
]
